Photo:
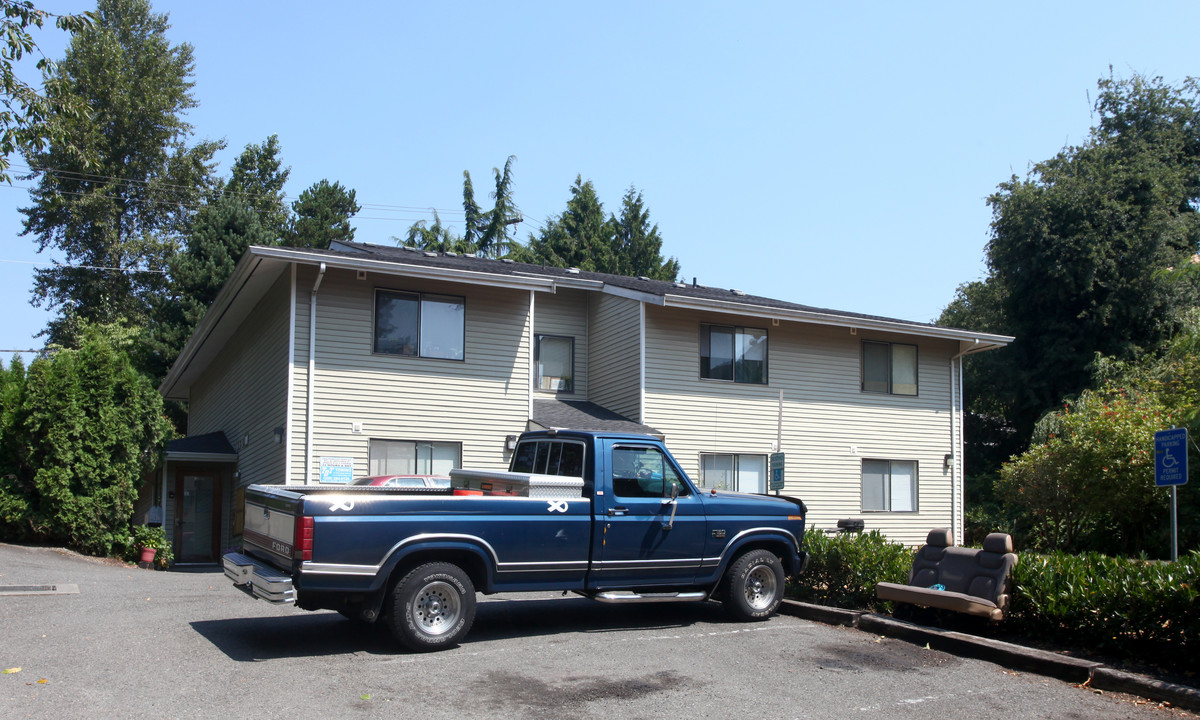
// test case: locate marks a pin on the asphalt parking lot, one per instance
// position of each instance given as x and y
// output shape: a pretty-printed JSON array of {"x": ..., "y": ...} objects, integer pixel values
[{"x": 186, "y": 644}]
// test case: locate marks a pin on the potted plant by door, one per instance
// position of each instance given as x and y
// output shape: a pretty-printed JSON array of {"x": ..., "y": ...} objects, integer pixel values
[{"x": 151, "y": 546}]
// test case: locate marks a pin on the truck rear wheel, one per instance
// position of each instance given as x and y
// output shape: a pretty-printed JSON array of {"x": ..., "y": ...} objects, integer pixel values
[
  {"x": 433, "y": 607},
  {"x": 754, "y": 586}
]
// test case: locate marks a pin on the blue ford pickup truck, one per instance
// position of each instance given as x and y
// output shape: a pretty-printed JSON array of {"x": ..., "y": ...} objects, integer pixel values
[{"x": 608, "y": 516}]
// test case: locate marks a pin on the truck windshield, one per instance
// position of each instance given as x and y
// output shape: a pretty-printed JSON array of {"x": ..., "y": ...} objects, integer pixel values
[{"x": 549, "y": 457}]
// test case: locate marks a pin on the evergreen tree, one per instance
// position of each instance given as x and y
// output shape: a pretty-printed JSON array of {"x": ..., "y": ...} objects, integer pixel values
[
  {"x": 220, "y": 233},
  {"x": 257, "y": 180},
  {"x": 579, "y": 237},
  {"x": 636, "y": 245},
  {"x": 116, "y": 220},
  {"x": 487, "y": 233},
  {"x": 85, "y": 431},
  {"x": 323, "y": 214}
]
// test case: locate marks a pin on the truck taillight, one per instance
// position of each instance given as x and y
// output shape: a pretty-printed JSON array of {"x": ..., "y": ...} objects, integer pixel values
[{"x": 302, "y": 542}]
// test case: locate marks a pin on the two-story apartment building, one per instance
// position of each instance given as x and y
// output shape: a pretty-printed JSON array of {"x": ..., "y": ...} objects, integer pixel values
[{"x": 316, "y": 366}]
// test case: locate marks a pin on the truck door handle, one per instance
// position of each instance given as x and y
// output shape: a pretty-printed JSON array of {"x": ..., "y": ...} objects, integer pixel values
[{"x": 618, "y": 510}]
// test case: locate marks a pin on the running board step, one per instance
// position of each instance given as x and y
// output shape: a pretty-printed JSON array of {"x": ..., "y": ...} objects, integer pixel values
[{"x": 628, "y": 597}]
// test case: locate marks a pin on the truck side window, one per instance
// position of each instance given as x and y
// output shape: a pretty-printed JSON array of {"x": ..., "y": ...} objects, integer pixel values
[{"x": 644, "y": 472}]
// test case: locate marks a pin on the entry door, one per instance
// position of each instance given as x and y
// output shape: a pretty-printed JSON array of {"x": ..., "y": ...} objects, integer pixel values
[{"x": 197, "y": 516}]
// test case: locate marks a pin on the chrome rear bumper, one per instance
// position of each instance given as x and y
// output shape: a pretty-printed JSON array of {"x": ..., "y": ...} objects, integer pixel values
[{"x": 264, "y": 581}]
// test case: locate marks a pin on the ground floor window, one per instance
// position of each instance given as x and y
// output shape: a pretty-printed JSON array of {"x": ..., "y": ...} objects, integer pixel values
[
  {"x": 414, "y": 457},
  {"x": 742, "y": 473},
  {"x": 889, "y": 485}
]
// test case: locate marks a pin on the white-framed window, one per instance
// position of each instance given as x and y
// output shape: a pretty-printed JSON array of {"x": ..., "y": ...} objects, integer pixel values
[
  {"x": 420, "y": 324},
  {"x": 889, "y": 368},
  {"x": 889, "y": 486},
  {"x": 735, "y": 354},
  {"x": 413, "y": 457},
  {"x": 739, "y": 472},
  {"x": 555, "y": 359}
]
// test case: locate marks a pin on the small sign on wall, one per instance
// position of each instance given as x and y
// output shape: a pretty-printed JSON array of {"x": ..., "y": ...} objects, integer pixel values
[{"x": 337, "y": 470}]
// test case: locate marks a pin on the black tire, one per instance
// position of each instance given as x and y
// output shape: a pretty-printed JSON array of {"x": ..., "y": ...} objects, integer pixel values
[
  {"x": 754, "y": 586},
  {"x": 433, "y": 607}
]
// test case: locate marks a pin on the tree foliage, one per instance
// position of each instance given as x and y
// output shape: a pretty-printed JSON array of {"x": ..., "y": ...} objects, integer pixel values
[
  {"x": 116, "y": 220},
  {"x": 1087, "y": 480},
  {"x": 323, "y": 214},
  {"x": 257, "y": 180},
  {"x": 487, "y": 233},
  {"x": 636, "y": 244},
  {"x": 81, "y": 427},
  {"x": 1078, "y": 251},
  {"x": 26, "y": 115}
]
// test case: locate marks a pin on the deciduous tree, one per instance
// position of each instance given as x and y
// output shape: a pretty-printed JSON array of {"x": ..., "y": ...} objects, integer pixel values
[{"x": 115, "y": 221}]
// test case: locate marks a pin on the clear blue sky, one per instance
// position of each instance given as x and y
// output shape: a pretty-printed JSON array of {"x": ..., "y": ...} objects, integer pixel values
[{"x": 832, "y": 154}]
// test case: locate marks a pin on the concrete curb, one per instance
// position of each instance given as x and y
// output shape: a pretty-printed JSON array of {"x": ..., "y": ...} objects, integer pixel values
[{"x": 1096, "y": 675}]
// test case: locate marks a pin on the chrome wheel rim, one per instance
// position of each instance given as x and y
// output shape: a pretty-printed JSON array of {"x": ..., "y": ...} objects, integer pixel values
[
  {"x": 760, "y": 587},
  {"x": 436, "y": 608}
]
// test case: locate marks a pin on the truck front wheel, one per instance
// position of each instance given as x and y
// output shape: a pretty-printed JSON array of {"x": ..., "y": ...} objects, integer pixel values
[
  {"x": 433, "y": 607},
  {"x": 754, "y": 586}
]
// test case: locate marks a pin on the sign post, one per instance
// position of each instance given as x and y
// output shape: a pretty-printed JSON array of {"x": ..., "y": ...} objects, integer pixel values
[{"x": 1171, "y": 468}]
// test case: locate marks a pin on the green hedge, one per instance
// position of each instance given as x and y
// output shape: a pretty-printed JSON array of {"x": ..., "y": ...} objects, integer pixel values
[
  {"x": 843, "y": 569},
  {"x": 1126, "y": 608}
]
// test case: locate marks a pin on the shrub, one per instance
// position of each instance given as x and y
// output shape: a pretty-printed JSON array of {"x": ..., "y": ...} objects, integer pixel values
[
  {"x": 78, "y": 429},
  {"x": 843, "y": 569},
  {"x": 1127, "y": 607}
]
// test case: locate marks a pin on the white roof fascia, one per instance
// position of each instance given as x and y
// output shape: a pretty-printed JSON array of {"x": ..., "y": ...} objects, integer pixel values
[
  {"x": 820, "y": 318},
  {"x": 634, "y": 295},
  {"x": 250, "y": 271},
  {"x": 396, "y": 267}
]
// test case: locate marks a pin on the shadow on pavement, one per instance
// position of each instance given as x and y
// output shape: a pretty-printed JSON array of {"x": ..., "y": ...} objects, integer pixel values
[{"x": 328, "y": 633}]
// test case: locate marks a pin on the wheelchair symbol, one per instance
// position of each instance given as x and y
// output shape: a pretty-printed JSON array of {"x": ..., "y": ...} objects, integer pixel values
[{"x": 1169, "y": 460}]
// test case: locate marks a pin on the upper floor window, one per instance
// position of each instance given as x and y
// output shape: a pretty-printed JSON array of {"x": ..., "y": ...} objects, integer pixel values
[
  {"x": 889, "y": 368},
  {"x": 555, "y": 363},
  {"x": 733, "y": 353},
  {"x": 419, "y": 324}
]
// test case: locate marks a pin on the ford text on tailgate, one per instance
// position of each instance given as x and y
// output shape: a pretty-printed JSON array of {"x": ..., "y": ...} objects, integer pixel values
[{"x": 607, "y": 516}]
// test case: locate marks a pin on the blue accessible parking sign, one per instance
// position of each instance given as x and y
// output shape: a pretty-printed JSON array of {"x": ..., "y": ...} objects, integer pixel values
[{"x": 1170, "y": 457}]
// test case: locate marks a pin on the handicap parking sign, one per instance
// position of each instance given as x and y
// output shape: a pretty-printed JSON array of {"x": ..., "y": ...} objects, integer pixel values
[{"x": 1170, "y": 457}]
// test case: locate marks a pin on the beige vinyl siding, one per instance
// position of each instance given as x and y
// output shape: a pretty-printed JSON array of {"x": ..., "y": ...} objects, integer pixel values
[
  {"x": 243, "y": 393},
  {"x": 829, "y": 425},
  {"x": 475, "y": 401},
  {"x": 614, "y": 380},
  {"x": 565, "y": 313}
]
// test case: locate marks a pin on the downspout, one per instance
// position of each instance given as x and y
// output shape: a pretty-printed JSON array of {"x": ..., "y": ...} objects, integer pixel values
[
  {"x": 956, "y": 438},
  {"x": 532, "y": 361},
  {"x": 312, "y": 368},
  {"x": 290, "y": 408},
  {"x": 642, "y": 362}
]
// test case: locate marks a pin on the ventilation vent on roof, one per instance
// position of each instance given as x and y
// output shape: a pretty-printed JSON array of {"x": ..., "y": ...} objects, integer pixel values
[
  {"x": 429, "y": 253},
  {"x": 506, "y": 260},
  {"x": 642, "y": 277},
  {"x": 680, "y": 285},
  {"x": 410, "y": 248},
  {"x": 737, "y": 292},
  {"x": 572, "y": 271},
  {"x": 470, "y": 255},
  {"x": 450, "y": 254}
]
